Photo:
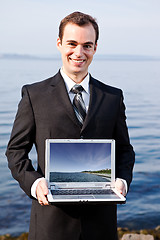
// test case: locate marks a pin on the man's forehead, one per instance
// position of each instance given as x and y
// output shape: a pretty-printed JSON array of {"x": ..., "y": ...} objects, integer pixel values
[{"x": 83, "y": 31}]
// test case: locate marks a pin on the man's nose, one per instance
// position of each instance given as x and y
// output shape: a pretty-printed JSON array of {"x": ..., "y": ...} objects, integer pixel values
[{"x": 79, "y": 51}]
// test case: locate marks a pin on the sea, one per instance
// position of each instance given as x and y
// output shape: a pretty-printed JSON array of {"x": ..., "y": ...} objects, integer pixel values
[
  {"x": 76, "y": 177},
  {"x": 139, "y": 78}
]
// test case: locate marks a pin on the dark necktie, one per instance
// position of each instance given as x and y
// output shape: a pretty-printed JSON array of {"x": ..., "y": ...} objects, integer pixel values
[{"x": 78, "y": 103}]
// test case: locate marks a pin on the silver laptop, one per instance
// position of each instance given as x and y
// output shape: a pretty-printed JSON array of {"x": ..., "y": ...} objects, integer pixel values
[{"x": 80, "y": 170}]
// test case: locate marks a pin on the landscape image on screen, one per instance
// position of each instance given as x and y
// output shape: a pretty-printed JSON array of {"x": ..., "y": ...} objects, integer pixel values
[{"x": 80, "y": 162}]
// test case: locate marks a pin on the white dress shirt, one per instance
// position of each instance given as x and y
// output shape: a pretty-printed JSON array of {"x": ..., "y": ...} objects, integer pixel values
[{"x": 85, "y": 84}]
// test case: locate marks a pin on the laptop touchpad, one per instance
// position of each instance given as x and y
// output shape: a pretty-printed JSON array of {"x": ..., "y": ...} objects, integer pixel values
[{"x": 85, "y": 197}]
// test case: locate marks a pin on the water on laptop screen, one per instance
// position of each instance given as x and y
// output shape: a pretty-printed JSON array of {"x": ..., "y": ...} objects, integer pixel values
[{"x": 80, "y": 162}]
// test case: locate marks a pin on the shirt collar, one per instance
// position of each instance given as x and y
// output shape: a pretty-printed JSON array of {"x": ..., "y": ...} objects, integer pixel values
[{"x": 70, "y": 83}]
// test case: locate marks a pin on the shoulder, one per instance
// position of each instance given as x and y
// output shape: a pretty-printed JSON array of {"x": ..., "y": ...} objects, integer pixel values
[
  {"x": 104, "y": 87},
  {"x": 42, "y": 85}
]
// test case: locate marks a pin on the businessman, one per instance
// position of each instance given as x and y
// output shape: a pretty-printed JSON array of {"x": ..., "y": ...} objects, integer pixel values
[{"x": 71, "y": 104}]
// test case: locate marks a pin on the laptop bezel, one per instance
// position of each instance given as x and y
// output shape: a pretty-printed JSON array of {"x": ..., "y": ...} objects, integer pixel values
[{"x": 47, "y": 160}]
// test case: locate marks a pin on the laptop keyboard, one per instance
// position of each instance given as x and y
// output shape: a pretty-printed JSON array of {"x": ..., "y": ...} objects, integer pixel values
[{"x": 81, "y": 191}]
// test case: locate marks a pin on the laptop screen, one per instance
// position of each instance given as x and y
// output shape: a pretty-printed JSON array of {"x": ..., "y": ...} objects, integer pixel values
[{"x": 80, "y": 161}]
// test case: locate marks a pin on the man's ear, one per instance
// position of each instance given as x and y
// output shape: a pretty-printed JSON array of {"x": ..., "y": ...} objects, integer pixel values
[
  {"x": 95, "y": 47},
  {"x": 58, "y": 43}
]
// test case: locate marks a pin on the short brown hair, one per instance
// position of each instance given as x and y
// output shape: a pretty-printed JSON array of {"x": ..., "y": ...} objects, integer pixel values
[{"x": 79, "y": 19}]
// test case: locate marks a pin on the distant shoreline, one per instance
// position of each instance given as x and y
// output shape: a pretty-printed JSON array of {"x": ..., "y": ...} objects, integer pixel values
[
  {"x": 101, "y": 174},
  {"x": 102, "y": 57}
]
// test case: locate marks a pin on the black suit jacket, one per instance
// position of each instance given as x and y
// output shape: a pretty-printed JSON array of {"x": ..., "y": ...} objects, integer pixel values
[{"x": 45, "y": 111}]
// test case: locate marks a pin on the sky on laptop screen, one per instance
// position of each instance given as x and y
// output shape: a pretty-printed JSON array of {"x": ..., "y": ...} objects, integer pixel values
[{"x": 70, "y": 159}]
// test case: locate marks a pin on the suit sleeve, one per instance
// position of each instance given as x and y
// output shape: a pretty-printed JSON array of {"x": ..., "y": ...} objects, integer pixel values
[
  {"x": 20, "y": 144},
  {"x": 125, "y": 156}
]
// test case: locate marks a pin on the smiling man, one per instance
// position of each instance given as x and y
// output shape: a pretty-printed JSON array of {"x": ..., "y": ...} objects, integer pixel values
[
  {"x": 77, "y": 47},
  {"x": 70, "y": 105}
]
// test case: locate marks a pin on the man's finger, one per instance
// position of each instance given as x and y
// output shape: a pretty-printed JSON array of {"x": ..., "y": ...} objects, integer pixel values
[
  {"x": 120, "y": 186},
  {"x": 42, "y": 198},
  {"x": 42, "y": 191},
  {"x": 44, "y": 186}
]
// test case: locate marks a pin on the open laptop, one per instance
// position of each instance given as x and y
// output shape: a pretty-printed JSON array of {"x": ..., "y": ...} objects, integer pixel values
[{"x": 81, "y": 170}]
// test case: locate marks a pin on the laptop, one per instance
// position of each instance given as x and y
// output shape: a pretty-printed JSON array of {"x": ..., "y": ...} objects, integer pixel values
[{"x": 81, "y": 170}]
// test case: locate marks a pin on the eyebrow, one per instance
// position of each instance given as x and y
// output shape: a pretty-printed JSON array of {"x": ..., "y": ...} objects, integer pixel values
[{"x": 90, "y": 43}]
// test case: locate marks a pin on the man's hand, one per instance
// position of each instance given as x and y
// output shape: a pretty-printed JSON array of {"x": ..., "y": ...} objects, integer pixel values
[
  {"x": 41, "y": 192},
  {"x": 120, "y": 186}
]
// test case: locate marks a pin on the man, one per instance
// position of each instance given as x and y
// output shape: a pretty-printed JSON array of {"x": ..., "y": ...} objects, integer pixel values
[{"x": 46, "y": 111}]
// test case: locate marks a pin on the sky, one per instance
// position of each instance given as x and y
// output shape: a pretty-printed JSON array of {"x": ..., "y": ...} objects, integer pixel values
[
  {"x": 78, "y": 157},
  {"x": 126, "y": 26}
]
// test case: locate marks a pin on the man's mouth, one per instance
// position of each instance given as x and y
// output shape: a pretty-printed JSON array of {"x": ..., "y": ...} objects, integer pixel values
[{"x": 77, "y": 60}]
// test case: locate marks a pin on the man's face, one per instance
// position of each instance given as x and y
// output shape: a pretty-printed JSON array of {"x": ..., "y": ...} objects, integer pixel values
[{"x": 77, "y": 48}]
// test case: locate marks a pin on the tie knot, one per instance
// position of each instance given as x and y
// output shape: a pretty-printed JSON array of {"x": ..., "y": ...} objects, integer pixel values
[{"x": 77, "y": 89}]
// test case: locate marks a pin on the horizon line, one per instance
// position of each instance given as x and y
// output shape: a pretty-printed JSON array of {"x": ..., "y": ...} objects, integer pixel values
[{"x": 17, "y": 56}]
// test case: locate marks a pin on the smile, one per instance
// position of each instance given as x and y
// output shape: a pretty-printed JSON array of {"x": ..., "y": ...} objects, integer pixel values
[{"x": 77, "y": 61}]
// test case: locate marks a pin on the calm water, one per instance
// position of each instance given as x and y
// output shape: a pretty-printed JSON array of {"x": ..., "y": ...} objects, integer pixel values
[
  {"x": 140, "y": 81},
  {"x": 75, "y": 177}
]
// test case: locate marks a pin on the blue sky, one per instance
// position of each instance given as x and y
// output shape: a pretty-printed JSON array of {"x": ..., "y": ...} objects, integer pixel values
[
  {"x": 126, "y": 26},
  {"x": 77, "y": 157}
]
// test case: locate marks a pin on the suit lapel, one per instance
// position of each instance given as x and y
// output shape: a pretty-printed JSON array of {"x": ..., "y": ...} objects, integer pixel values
[
  {"x": 64, "y": 100},
  {"x": 96, "y": 96}
]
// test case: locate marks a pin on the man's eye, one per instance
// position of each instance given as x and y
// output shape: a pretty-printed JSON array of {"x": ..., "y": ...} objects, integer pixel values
[
  {"x": 87, "y": 46},
  {"x": 72, "y": 44}
]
